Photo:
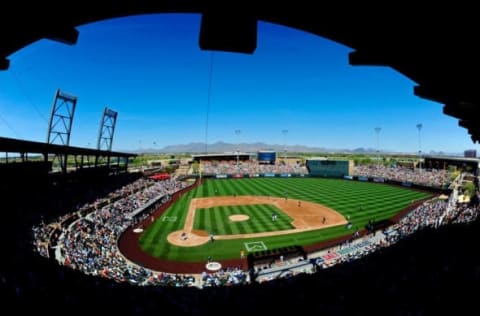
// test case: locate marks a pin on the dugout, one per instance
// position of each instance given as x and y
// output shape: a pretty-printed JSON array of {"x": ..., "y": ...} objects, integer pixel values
[{"x": 271, "y": 256}]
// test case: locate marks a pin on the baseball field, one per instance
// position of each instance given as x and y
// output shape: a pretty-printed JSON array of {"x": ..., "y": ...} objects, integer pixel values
[{"x": 222, "y": 217}]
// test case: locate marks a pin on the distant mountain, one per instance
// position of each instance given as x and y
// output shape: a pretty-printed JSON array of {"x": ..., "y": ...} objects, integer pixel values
[
  {"x": 362, "y": 150},
  {"x": 222, "y": 147}
]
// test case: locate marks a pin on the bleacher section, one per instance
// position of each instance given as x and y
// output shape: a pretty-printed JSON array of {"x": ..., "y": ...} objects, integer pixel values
[
  {"x": 250, "y": 169},
  {"x": 86, "y": 237}
]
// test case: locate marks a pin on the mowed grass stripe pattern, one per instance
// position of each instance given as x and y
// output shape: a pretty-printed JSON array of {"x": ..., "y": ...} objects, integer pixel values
[
  {"x": 358, "y": 201},
  {"x": 260, "y": 219}
]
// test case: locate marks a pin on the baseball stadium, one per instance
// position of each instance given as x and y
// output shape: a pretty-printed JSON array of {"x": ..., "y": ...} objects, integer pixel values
[
  {"x": 244, "y": 225},
  {"x": 233, "y": 222}
]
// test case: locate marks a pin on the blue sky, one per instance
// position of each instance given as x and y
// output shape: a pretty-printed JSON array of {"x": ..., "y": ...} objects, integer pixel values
[{"x": 151, "y": 70}]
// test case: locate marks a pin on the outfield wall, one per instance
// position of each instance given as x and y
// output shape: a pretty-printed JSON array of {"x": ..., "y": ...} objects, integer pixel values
[{"x": 256, "y": 175}]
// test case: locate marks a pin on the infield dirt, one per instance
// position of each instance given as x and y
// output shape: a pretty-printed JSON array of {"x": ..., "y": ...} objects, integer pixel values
[{"x": 306, "y": 216}]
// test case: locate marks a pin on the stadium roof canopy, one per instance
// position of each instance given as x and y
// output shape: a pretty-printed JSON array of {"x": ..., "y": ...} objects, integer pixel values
[
  {"x": 222, "y": 156},
  {"x": 465, "y": 159},
  {"x": 436, "y": 47},
  {"x": 11, "y": 145}
]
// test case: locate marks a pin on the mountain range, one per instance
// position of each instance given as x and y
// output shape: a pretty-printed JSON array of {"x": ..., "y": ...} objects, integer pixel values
[{"x": 223, "y": 147}]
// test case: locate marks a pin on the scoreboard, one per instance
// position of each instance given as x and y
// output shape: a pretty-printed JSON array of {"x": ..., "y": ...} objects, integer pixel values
[{"x": 330, "y": 168}]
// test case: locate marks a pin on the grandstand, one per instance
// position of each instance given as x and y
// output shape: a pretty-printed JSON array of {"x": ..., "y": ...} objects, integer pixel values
[
  {"x": 443, "y": 162},
  {"x": 424, "y": 265},
  {"x": 221, "y": 157},
  {"x": 83, "y": 239},
  {"x": 98, "y": 206},
  {"x": 250, "y": 168}
]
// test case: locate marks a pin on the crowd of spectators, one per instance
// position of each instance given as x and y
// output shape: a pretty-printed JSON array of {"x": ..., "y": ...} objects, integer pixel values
[
  {"x": 424, "y": 216},
  {"x": 89, "y": 243},
  {"x": 431, "y": 271},
  {"x": 435, "y": 178},
  {"x": 466, "y": 213},
  {"x": 431, "y": 214},
  {"x": 251, "y": 168},
  {"x": 225, "y": 277}
]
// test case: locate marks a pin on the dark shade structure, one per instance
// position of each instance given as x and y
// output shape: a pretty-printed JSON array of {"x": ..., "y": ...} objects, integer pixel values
[{"x": 439, "y": 52}]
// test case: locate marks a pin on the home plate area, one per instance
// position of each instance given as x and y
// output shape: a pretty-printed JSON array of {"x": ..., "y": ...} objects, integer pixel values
[{"x": 255, "y": 246}]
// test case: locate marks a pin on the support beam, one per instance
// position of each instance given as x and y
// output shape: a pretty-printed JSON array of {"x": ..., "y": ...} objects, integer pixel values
[
  {"x": 444, "y": 93},
  {"x": 4, "y": 63},
  {"x": 467, "y": 120},
  {"x": 362, "y": 58},
  {"x": 471, "y": 126},
  {"x": 107, "y": 128},
  {"x": 429, "y": 94},
  {"x": 228, "y": 31},
  {"x": 461, "y": 109},
  {"x": 66, "y": 35}
]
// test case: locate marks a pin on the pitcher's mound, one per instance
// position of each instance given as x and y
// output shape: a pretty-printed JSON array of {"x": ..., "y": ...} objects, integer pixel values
[
  {"x": 238, "y": 218},
  {"x": 185, "y": 239}
]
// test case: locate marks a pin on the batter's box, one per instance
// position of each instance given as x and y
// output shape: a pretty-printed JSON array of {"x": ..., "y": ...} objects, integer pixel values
[
  {"x": 169, "y": 219},
  {"x": 255, "y": 246}
]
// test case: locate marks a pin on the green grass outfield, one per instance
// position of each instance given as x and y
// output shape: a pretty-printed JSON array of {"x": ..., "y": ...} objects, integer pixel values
[
  {"x": 216, "y": 219},
  {"x": 361, "y": 201}
]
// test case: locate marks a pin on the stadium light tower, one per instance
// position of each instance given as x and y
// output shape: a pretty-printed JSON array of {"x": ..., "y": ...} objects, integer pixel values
[
  {"x": 377, "y": 131},
  {"x": 285, "y": 132},
  {"x": 238, "y": 132},
  {"x": 60, "y": 125},
  {"x": 419, "y": 127}
]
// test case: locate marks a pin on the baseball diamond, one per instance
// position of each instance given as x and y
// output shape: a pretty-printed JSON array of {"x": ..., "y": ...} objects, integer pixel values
[
  {"x": 309, "y": 210},
  {"x": 308, "y": 216}
]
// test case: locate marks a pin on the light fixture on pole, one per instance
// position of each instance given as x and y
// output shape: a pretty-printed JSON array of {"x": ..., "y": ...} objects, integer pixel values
[
  {"x": 285, "y": 132},
  {"x": 209, "y": 99},
  {"x": 377, "y": 131},
  {"x": 238, "y": 132},
  {"x": 419, "y": 127}
]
